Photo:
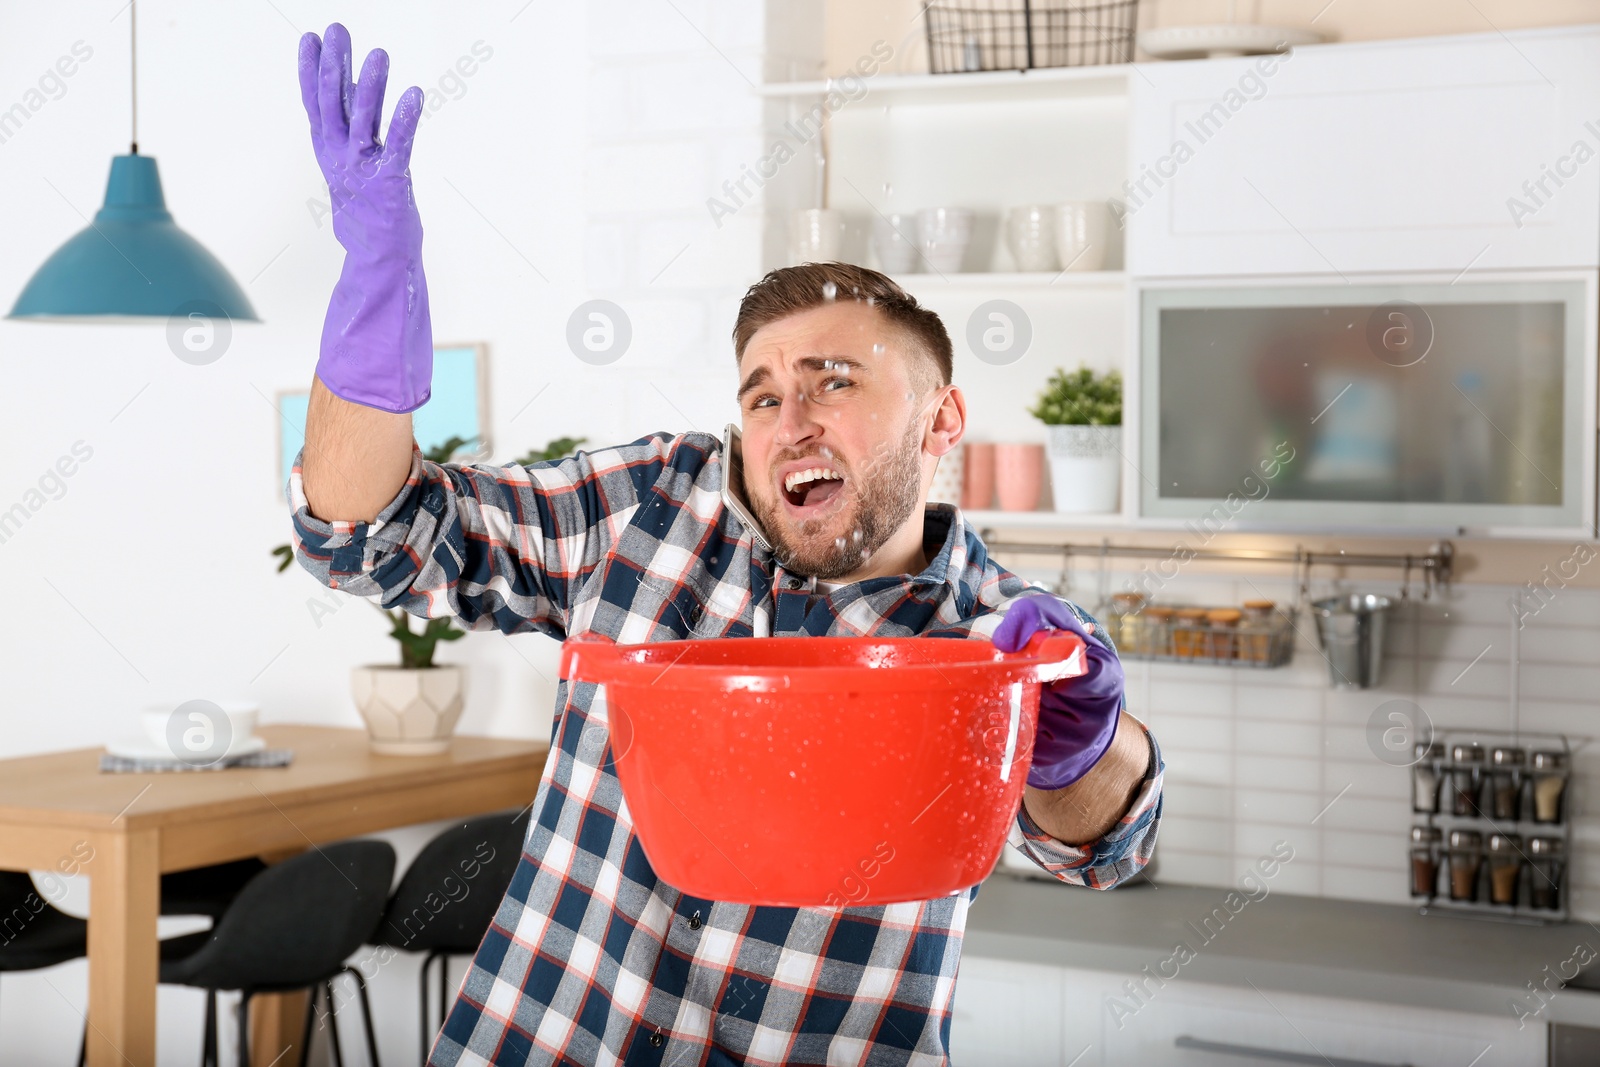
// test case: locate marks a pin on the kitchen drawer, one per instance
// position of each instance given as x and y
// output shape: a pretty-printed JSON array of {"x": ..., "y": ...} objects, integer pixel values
[
  {"x": 1007, "y": 1014},
  {"x": 1406, "y": 155},
  {"x": 1297, "y": 1026}
]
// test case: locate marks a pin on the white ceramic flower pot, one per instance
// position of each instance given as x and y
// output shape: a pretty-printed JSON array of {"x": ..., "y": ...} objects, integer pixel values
[
  {"x": 409, "y": 712},
  {"x": 1085, "y": 468}
]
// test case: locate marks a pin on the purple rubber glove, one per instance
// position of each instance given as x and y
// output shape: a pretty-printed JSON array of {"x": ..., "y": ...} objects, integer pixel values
[
  {"x": 377, "y": 341},
  {"x": 1077, "y": 716}
]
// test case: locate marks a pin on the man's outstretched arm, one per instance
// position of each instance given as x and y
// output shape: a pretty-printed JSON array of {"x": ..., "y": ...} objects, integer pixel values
[
  {"x": 1086, "y": 810},
  {"x": 376, "y": 358},
  {"x": 356, "y": 458}
]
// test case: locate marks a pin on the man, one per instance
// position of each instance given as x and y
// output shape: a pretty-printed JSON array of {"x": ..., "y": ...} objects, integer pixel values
[{"x": 808, "y": 519}]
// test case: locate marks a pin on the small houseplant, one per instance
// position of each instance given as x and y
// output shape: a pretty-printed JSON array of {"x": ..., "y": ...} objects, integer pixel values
[
  {"x": 1082, "y": 411},
  {"x": 412, "y": 708}
]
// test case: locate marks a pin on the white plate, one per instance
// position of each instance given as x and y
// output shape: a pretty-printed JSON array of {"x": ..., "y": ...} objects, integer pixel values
[
  {"x": 141, "y": 748},
  {"x": 1225, "y": 39}
]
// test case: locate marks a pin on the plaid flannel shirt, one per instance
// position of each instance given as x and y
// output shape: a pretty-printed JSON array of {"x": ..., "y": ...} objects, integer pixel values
[{"x": 591, "y": 959}]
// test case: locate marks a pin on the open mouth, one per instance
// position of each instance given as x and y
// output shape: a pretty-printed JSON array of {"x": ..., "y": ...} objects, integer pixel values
[{"x": 809, "y": 491}]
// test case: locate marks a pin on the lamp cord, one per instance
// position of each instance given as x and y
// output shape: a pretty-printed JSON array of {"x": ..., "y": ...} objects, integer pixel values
[{"x": 133, "y": 74}]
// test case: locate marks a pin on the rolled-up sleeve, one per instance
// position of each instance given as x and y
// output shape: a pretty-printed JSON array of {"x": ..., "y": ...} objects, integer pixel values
[
  {"x": 1119, "y": 854},
  {"x": 495, "y": 547}
]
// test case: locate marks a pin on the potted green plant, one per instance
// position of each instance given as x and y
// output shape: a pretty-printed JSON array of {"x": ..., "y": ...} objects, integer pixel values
[
  {"x": 411, "y": 708},
  {"x": 1083, "y": 413},
  {"x": 557, "y": 449}
]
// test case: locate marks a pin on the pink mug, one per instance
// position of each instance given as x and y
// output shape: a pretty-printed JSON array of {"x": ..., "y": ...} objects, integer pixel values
[
  {"x": 977, "y": 487},
  {"x": 1019, "y": 476}
]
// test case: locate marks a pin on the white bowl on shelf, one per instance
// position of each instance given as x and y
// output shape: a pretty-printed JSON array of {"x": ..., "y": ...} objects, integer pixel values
[{"x": 1222, "y": 40}]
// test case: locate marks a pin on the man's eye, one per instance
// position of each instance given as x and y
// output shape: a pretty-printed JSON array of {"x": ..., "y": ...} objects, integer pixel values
[
  {"x": 761, "y": 401},
  {"x": 832, "y": 381}
]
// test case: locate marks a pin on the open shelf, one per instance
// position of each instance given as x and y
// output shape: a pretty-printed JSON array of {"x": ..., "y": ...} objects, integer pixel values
[
  {"x": 1109, "y": 80},
  {"x": 1111, "y": 280},
  {"x": 1044, "y": 520}
]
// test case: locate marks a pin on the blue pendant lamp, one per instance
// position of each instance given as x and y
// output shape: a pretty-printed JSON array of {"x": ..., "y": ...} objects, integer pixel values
[{"x": 132, "y": 262}]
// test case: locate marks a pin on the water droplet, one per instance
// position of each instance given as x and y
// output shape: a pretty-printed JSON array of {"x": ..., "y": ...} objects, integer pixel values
[
  {"x": 864, "y": 555},
  {"x": 838, "y": 544},
  {"x": 877, "y": 349},
  {"x": 829, "y": 290},
  {"x": 855, "y": 535},
  {"x": 888, "y": 187}
]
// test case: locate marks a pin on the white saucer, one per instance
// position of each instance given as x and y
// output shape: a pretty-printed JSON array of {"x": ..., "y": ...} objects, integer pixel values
[
  {"x": 1225, "y": 39},
  {"x": 140, "y": 748}
]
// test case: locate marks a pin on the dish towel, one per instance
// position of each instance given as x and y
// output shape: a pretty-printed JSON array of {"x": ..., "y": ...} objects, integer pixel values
[{"x": 267, "y": 757}]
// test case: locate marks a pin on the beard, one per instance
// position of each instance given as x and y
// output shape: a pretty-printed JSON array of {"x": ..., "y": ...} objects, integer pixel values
[{"x": 882, "y": 496}]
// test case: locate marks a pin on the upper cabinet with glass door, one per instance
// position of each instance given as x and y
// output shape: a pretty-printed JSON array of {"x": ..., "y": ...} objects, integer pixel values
[
  {"x": 1453, "y": 154},
  {"x": 1384, "y": 405}
]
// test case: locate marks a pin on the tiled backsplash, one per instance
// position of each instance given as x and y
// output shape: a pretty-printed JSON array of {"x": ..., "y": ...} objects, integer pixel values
[{"x": 1255, "y": 756}]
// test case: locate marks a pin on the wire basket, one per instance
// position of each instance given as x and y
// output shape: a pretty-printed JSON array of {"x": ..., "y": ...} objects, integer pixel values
[
  {"x": 1024, "y": 34},
  {"x": 1265, "y": 643}
]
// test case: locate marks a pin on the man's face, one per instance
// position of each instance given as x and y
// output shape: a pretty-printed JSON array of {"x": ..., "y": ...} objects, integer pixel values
[{"x": 833, "y": 426}]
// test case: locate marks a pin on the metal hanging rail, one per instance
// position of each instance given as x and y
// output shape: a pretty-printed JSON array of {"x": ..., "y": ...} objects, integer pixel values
[{"x": 1437, "y": 565}]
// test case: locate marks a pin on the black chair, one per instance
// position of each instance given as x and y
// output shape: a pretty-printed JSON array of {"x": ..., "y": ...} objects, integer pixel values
[
  {"x": 463, "y": 874},
  {"x": 206, "y": 890},
  {"x": 291, "y": 928},
  {"x": 34, "y": 934}
]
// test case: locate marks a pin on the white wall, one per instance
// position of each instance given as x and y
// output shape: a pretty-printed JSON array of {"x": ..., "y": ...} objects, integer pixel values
[
  {"x": 1257, "y": 756},
  {"x": 574, "y": 164}
]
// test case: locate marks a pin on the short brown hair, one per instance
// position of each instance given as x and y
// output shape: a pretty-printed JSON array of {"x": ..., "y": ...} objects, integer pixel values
[{"x": 791, "y": 290}]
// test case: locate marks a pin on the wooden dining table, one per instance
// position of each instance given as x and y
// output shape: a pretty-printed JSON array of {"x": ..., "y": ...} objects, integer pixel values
[{"x": 58, "y": 808}]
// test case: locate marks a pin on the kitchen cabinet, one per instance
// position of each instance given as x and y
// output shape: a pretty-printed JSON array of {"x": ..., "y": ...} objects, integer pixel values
[
  {"x": 1021, "y": 1013},
  {"x": 1453, "y": 173},
  {"x": 1478, "y": 152}
]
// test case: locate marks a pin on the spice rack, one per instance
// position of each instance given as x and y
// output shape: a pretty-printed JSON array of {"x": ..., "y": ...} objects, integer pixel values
[
  {"x": 1262, "y": 635},
  {"x": 1491, "y": 836},
  {"x": 1261, "y": 639}
]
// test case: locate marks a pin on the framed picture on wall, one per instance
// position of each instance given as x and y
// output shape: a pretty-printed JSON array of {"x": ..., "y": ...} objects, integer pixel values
[{"x": 457, "y": 407}]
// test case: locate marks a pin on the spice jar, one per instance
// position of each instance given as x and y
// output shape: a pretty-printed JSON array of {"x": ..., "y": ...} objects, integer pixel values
[
  {"x": 1466, "y": 857},
  {"x": 1505, "y": 868},
  {"x": 1505, "y": 782},
  {"x": 1127, "y": 625},
  {"x": 1158, "y": 630},
  {"x": 1549, "y": 786},
  {"x": 1424, "y": 861},
  {"x": 1255, "y": 640},
  {"x": 1222, "y": 637},
  {"x": 1189, "y": 632},
  {"x": 1466, "y": 780},
  {"x": 1546, "y": 864},
  {"x": 1425, "y": 776}
]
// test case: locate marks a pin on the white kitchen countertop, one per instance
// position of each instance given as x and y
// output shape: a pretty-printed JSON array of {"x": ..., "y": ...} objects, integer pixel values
[{"x": 1308, "y": 945}]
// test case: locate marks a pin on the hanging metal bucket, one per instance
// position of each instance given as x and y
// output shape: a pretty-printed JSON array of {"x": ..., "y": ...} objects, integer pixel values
[{"x": 1351, "y": 631}]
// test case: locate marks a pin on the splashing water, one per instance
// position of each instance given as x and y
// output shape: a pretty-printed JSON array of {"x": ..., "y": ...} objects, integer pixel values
[{"x": 829, "y": 290}]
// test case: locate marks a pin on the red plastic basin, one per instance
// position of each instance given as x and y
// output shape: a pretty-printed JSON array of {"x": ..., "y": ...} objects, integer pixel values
[{"x": 821, "y": 771}]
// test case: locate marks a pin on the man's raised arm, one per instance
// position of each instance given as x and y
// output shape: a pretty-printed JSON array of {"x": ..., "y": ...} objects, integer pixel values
[{"x": 376, "y": 359}]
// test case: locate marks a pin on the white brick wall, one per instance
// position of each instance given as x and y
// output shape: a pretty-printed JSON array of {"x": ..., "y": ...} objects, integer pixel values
[
  {"x": 672, "y": 115},
  {"x": 1254, "y": 756}
]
